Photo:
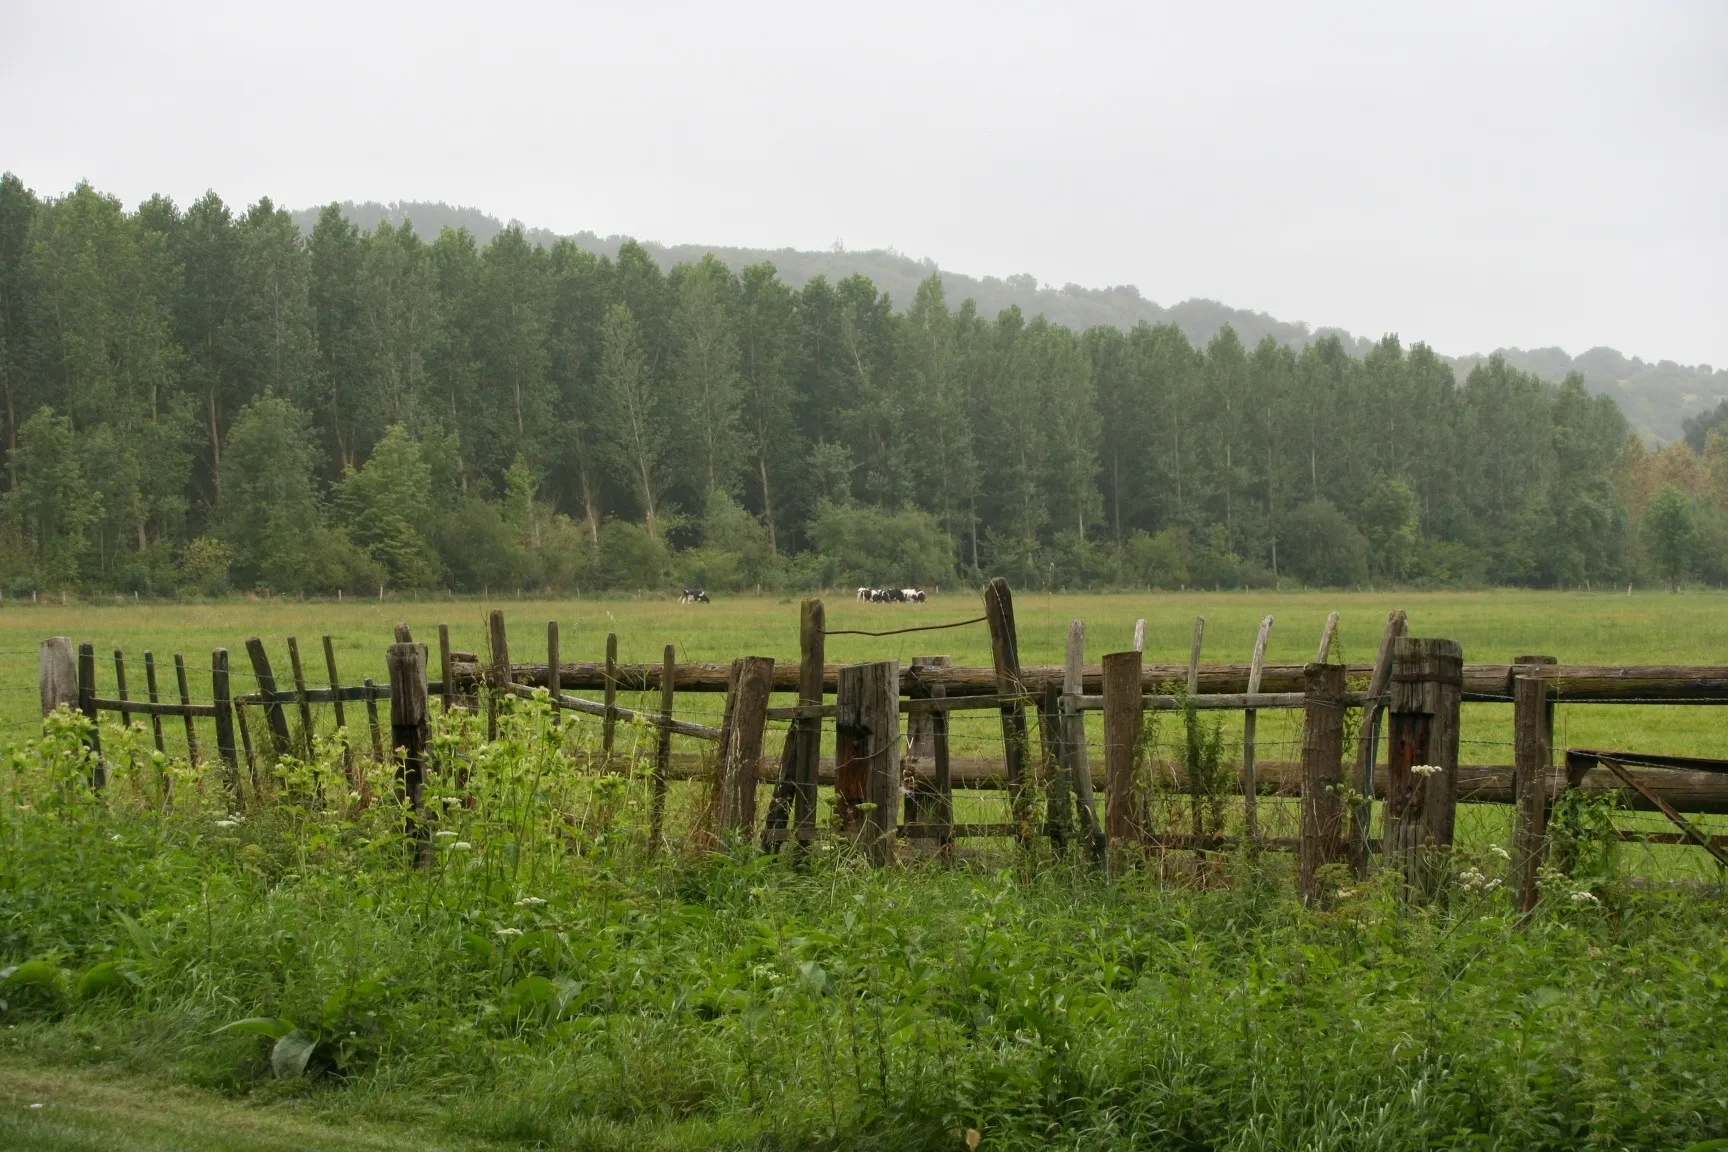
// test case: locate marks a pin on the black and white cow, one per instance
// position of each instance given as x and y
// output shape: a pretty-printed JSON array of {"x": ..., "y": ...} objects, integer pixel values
[
  {"x": 891, "y": 595},
  {"x": 693, "y": 596}
]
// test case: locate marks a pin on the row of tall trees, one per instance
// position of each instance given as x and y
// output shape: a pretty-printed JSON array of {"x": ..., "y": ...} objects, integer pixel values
[{"x": 199, "y": 395}]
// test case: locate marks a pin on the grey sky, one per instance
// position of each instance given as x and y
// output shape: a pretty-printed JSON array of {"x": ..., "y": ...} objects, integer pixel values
[{"x": 1468, "y": 174}]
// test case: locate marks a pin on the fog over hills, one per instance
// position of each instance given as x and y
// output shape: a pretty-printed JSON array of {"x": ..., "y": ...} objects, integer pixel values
[{"x": 1654, "y": 396}]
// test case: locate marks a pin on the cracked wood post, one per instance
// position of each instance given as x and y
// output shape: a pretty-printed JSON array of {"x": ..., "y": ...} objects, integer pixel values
[
  {"x": 1533, "y": 756},
  {"x": 741, "y": 744},
  {"x": 154, "y": 696},
  {"x": 609, "y": 724},
  {"x": 1059, "y": 799},
  {"x": 409, "y": 731},
  {"x": 185, "y": 689},
  {"x": 340, "y": 712},
  {"x": 273, "y": 714},
  {"x": 446, "y": 670},
  {"x": 867, "y": 750},
  {"x": 1005, "y": 654},
  {"x": 1368, "y": 746},
  {"x": 795, "y": 795},
  {"x": 57, "y": 671},
  {"x": 553, "y": 687},
  {"x": 1322, "y": 840},
  {"x": 1124, "y": 706},
  {"x": 1421, "y": 808},
  {"x": 1075, "y": 762},
  {"x": 923, "y": 800}
]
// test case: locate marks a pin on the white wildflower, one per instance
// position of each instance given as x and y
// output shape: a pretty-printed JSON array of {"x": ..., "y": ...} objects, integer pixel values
[
  {"x": 509, "y": 933},
  {"x": 225, "y": 824},
  {"x": 444, "y": 834},
  {"x": 461, "y": 846},
  {"x": 1584, "y": 899},
  {"x": 1426, "y": 769},
  {"x": 1499, "y": 851},
  {"x": 530, "y": 902}
]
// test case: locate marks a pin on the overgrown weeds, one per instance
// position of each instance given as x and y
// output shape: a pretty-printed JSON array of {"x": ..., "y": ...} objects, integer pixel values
[{"x": 553, "y": 978}]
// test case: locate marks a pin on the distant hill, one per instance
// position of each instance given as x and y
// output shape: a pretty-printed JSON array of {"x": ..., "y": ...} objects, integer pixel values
[{"x": 1654, "y": 397}]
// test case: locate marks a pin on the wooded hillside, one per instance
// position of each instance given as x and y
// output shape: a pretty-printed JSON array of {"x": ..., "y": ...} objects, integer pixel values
[{"x": 199, "y": 398}]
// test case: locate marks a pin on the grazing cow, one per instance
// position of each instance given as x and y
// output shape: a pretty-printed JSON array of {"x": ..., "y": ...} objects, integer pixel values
[
  {"x": 912, "y": 595},
  {"x": 693, "y": 596},
  {"x": 865, "y": 594}
]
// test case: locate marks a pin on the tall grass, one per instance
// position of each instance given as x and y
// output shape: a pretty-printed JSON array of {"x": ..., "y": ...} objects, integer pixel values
[{"x": 553, "y": 978}]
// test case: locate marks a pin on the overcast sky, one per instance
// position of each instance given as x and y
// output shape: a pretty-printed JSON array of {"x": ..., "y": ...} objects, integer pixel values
[{"x": 1469, "y": 175}]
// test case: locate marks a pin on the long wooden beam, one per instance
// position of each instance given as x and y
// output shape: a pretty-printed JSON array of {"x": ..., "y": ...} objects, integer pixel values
[{"x": 1575, "y": 683}]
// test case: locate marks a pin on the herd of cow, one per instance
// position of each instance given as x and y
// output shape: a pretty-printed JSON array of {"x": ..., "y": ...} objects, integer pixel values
[
  {"x": 891, "y": 595},
  {"x": 865, "y": 595}
]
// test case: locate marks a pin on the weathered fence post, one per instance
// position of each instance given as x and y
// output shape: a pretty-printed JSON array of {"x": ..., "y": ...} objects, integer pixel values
[
  {"x": 1005, "y": 653},
  {"x": 273, "y": 714},
  {"x": 87, "y": 705},
  {"x": 307, "y": 730},
  {"x": 181, "y": 683},
  {"x": 222, "y": 696},
  {"x": 812, "y": 651},
  {"x": 155, "y": 697},
  {"x": 1327, "y": 635},
  {"x": 1074, "y": 752},
  {"x": 1194, "y": 655},
  {"x": 500, "y": 669},
  {"x": 1322, "y": 773},
  {"x": 372, "y": 719},
  {"x": 409, "y": 730},
  {"x": 554, "y": 678},
  {"x": 1533, "y": 756},
  {"x": 1368, "y": 748},
  {"x": 1139, "y": 644},
  {"x": 1059, "y": 799},
  {"x": 1124, "y": 706},
  {"x": 867, "y": 749},
  {"x": 1250, "y": 726},
  {"x": 741, "y": 743},
  {"x": 446, "y": 669},
  {"x": 922, "y": 798},
  {"x": 663, "y": 751},
  {"x": 609, "y": 723},
  {"x": 1421, "y": 807},
  {"x": 57, "y": 674},
  {"x": 340, "y": 712}
]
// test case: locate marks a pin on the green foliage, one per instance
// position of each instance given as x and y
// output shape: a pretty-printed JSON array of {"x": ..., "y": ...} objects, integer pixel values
[
  {"x": 1158, "y": 561},
  {"x": 1671, "y": 534},
  {"x": 1322, "y": 547},
  {"x": 384, "y": 506},
  {"x": 869, "y": 546},
  {"x": 205, "y": 565},
  {"x": 630, "y": 557},
  {"x": 701, "y": 999}
]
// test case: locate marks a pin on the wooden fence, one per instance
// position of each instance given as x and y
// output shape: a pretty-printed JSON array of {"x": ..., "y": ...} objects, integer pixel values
[{"x": 895, "y": 781}]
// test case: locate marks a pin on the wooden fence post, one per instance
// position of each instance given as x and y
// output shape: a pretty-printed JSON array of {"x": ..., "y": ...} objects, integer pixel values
[
  {"x": 1250, "y": 726},
  {"x": 609, "y": 723},
  {"x": 1322, "y": 773},
  {"x": 554, "y": 678},
  {"x": 1076, "y": 762},
  {"x": 923, "y": 799},
  {"x": 273, "y": 714},
  {"x": 1327, "y": 635},
  {"x": 446, "y": 669},
  {"x": 867, "y": 745},
  {"x": 1005, "y": 653},
  {"x": 1059, "y": 798},
  {"x": 57, "y": 673},
  {"x": 87, "y": 705},
  {"x": 1194, "y": 655},
  {"x": 307, "y": 731},
  {"x": 500, "y": 669},
  {"x": 372, "y": 719},
  {"x": 1368, "y": 747},
  {"x": 1533, "y": 757},
  {"x": 339, "y": 711},
  {"x": 155, "y": 697},
  {"x": 741, "y": 743},
  {"x": 1421, "y": 808},
  {"x": 663, "y": 752},
  {"x": 222, "y": 696},
  {"x": 181, "y": 683},
  {"x": 409, "y": 730},
  {"x": 1124, "y": 706}
]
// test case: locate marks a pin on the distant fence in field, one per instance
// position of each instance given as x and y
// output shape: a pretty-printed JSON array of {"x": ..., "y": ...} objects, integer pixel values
[{"x": 893, "y": 781}]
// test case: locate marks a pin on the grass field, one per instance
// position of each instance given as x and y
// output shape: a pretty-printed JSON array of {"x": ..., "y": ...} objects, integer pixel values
[{"x": 549, "y": 982}]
